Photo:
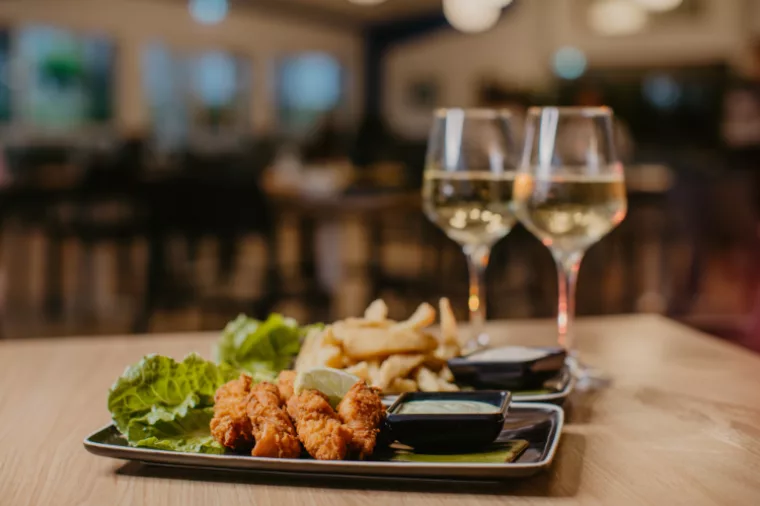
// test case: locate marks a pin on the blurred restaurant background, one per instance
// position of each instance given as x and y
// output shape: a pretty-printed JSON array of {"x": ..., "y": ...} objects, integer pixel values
[{"x": 168, "y": 164}]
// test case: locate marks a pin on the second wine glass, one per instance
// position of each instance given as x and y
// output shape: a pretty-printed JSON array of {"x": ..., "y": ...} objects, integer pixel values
[
  {"x": 569, "y": 193},
  {"x": 467, "y": 191}
]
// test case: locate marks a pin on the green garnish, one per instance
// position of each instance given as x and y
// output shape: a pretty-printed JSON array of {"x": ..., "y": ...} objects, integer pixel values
[
  {"x": 260, "y": 348},
  {"x": 508, "y": 452},
  {"x": 542, "y": 391},
  {"x": 164, "y": 404}
]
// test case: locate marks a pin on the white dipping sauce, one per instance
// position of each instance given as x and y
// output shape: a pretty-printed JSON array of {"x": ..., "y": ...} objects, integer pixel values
[
  {"x": 508, "y": 354},
  {"x": 446, "y": 407}
]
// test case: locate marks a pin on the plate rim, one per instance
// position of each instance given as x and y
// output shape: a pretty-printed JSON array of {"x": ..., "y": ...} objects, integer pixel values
[
  {"x": 540, "y": 398},
  {"x": 336, "y": 465}
]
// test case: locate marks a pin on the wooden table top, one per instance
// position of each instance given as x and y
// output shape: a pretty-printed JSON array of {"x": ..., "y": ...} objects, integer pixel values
[{"x": 679, "y": 425}]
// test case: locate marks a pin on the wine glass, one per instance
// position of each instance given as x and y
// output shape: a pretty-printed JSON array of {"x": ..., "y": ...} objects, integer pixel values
[
  {"x": 467, "y": 191},
  {"x": 569, "y": 192}
]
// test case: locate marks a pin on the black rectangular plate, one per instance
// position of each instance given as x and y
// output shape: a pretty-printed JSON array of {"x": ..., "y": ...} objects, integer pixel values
[{"x": 539, "y": 424}]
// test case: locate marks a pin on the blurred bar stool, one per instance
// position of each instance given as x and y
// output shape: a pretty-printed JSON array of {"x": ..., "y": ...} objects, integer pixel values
[
  {"x": 102, "y": 209},
  {"x": 196, "y": 205}
]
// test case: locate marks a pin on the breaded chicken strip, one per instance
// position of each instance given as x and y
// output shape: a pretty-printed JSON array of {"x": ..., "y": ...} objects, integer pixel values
[
  {"x": 231, "y": 425},
  {"x": 362, "y": 411},
  {"x": 318, "y": 426},
  {"x": 272, "y": 429},
  {"x": 285, "y": 384}
]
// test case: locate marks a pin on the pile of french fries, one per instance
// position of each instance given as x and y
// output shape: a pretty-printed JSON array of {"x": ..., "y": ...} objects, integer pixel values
[{"x": 393, "y": 356}]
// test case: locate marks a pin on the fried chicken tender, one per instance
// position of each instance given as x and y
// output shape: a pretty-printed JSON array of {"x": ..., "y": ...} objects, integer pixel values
[
  {"x": 271, "y": 427},
  {"x": 318, "y": 426},
  {"x": 285, "y": 384},
  {"x": 231, "y": 425},
  {"x": 362, "y": 411}
]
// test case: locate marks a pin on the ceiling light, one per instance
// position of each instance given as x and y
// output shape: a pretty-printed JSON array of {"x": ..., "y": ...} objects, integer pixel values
[
  {"x": 662, "y": 91},
  {"x": 469, "y": 16},
  {"x": 659, "y": 5},
  {"x": 617, "y": 17},
  {"x": 209, "y": 12},
  {"x": 569, "y": 62}
]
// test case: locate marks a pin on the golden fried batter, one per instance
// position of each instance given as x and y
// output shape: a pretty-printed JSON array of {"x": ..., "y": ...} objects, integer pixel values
[
  {"x": 285, "y": 384},
  {"x": 231, "y": 425},
  {"x": 318, "y": 426},
  {"x": 362, "y": 411},
  {"x": 272, "y": 429}
]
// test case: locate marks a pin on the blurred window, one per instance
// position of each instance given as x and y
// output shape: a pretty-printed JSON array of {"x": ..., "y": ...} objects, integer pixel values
[
  {"x": 209, "y": 12},
  {"x": 197, "y": 100},
  {"x": 64, "y": 79},
  {"x": 161, "y": 77},
  {"x": 309, "y": 85}
]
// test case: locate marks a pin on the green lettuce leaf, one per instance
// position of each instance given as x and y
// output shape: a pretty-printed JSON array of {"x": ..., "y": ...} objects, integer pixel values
[
  {"x": 260, "y": 348},
  {"x": 161, "y": 403},
  {"x": 184, "y": 429}
]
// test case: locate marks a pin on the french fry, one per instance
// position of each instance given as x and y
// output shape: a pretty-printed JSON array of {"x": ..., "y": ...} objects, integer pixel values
[
  {"x": 445, "y": 374},
  {"x": 330, "y": 356},
  {"x": 449, "y": 331},
  {"x": 315, "y": 352},
  {"x": 377, "y": 311},
  {"x": 394, "y": 356},
  {"x": 360, "y": 370},
  {"x": 397, "y": 366},
  {"x": 328, "y": 336},
  {"x": 309, "y": 348},
  {"x": 400, "y": 386},
  {"x": 445, "y": 386},
  {"x": 445, "y": 352},
  {"x": 427, "y": 380},
  {"x": 367, "y": 343},
  {"x": 364, "y": 323},
  {"x": 423, "y": 317},
  {"x": 374, "y": 372}
]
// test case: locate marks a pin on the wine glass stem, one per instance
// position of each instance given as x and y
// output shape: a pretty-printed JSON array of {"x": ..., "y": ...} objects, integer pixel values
[
  {"x": 567, "y": 273},
  {"x": 477, "y": 262}
]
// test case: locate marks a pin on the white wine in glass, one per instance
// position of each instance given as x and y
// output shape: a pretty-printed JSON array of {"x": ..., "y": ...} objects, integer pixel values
[
  {"x": 569, "y": 192},
  {"x": 473, "y": 209},
  {"x": 571, "y": 213},
  {"x": 467, "y": 191}
]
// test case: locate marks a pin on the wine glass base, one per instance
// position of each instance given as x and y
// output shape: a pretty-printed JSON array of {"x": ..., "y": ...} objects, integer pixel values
[
  {"x": 587, "y": 377},
  {"x": 476, "y": 343}
]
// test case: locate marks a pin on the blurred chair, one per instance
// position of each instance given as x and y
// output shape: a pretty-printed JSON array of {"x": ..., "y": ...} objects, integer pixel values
[
  {"x": 104, "y": 207},
  {"x": 217, "y": 198}
]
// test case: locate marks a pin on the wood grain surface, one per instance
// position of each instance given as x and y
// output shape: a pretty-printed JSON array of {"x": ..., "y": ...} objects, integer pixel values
[{"x": 679, "y": 425}]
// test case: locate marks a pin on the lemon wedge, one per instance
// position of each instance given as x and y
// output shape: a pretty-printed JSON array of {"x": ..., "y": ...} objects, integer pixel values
[{"x": 334, "y": 383}]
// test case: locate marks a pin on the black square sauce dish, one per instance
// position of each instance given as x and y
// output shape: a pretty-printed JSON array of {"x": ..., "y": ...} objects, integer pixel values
[
  {"x": 440, "y": 421},
  {"x": 508, "y": 367}
]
